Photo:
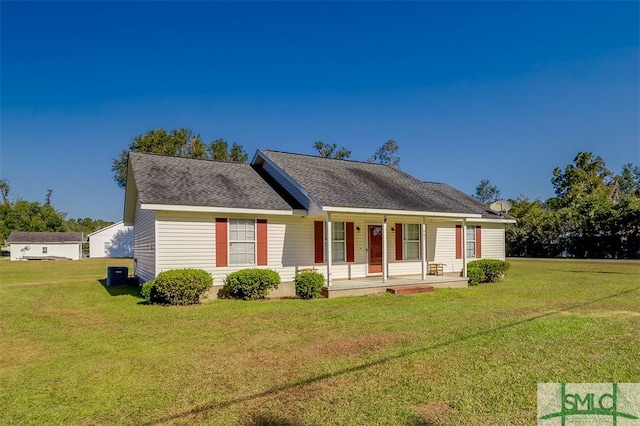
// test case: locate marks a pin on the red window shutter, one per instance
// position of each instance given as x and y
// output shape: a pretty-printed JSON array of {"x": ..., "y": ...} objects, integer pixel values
[
  {"x": 318, "y": 240},
  {"x": 478, "y": 242},
  {"x": 221, "y": 242},
  {"x": 350, "y": 242},
  {"x": 399, "y": 241},
  {"x": 458, "y": 241},
  {"x": 261, "y": 241}
]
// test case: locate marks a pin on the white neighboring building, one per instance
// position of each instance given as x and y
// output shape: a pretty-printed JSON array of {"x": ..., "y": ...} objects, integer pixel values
[
  {"x": 113, "y": 241},
  {"x": 45, "y": 245}
]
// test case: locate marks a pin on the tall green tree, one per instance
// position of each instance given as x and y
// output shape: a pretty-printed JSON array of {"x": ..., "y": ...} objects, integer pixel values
[
  {"x": 595, "y": 214},
  {"x": 387, "y": 154},
  {"x": 180, "y": 142},
  {"x": 326, "y": 150},
  {"x": 5, "y": 188},
  {"x": 30, "y": 216},
  {"x": 219, "y": 150},
  {"x": 538, "y": 232},
  {"x": 585, "y": 193},
  {"x": 47, "y": 198},
  {"x": 486, "y": 192},
  {"x": 628, "y": 183},
  {"x": 87, "y": 225}
]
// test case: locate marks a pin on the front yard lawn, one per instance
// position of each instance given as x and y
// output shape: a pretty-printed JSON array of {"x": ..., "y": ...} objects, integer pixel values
[{"x": 75, "y": 352}]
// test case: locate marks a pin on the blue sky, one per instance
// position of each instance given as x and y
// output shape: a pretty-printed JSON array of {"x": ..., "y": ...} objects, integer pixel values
[{"x": 504, "y": 91}]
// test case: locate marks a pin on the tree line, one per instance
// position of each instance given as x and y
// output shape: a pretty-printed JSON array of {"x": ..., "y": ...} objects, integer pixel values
[
  {"x": 33, "y": 216},
  {"x": 595, "y": 213},
  {"x": 185, "y": 142}
]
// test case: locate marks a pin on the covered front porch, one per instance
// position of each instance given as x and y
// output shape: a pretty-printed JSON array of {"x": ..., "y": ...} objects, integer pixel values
[
  {"x": 361, "y": 244},
  {"x": 374, "y": 285}
]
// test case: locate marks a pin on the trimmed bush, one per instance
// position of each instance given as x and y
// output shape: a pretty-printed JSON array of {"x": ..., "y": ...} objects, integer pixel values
[
  {"x": 250, "y": 284},
  {"x": 177, "y": 287},
  {"x": 147, "y": 290},
  {"x": 494, "y": 270},
  {"x": 309, "y": 284},
  {"x": 475, "y": 275}
]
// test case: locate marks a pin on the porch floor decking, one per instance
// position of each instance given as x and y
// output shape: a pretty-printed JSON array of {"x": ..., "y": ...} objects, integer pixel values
[{"x": 374, "y": 285}]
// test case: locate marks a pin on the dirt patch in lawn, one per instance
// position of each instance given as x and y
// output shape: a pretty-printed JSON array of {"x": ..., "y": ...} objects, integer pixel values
[{"x": 434, "y": 413}]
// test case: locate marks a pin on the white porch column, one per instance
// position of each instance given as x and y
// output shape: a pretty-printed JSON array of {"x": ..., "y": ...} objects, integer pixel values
[
  {"x": 329, "y": 251},
  {"x": 464, "y": 247},
  {"x": 385, "y": 266},
  {"x": 423, "y": 248}
]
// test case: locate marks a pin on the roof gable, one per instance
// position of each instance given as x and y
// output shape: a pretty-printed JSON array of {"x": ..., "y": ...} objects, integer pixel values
[
  {"x": 360, "y": 185},
  {"x": 109, "y": 229}
]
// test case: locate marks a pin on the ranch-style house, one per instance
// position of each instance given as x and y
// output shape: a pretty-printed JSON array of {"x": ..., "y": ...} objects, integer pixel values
[{"x": 354, "y": 222}]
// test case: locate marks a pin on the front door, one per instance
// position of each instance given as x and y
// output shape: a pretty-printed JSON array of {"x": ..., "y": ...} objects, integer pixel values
[{"x": 375, "y": 249}]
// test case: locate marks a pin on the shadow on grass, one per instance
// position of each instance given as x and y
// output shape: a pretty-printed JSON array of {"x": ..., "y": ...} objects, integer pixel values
[
  {"x": 418, "y": 421},
  {"x": 274, "y": 420},
  {"x": 121, "y": 290},
  {"x": 271, "y": 420}
]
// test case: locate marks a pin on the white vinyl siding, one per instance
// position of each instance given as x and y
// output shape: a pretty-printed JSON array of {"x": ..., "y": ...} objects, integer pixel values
[
  {"x": 441, "y": 245},
  {"x": 242, "y": 242},
  {"x": 144, "y": 244},
  {"x": 185, "y": 240},
  {"x": 493, "y": 246}
]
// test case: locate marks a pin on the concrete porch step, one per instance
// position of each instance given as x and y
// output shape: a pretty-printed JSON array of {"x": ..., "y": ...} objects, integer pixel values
[{"x": 410, "y": 289}]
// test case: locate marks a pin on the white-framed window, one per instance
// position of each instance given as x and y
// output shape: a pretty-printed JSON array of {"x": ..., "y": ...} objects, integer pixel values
[
  {"x": 338, "y": 241},
  {"x": 411, "y": 241},
  {"x": 44, "y": 250},
  {"x": 242, "y": 242},
  {"x": 471, "y": 241},
  {"x": 107, "y": 245}
]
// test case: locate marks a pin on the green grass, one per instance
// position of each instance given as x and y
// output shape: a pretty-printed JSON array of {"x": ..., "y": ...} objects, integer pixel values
[{"x": 75, "y": 352}]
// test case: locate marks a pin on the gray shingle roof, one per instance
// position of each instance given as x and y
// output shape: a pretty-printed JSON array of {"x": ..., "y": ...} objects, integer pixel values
[
  {"x": 343, "y": 183},
  {"x": 18, "y": 237},
  {"x": 190, "y": 182}
]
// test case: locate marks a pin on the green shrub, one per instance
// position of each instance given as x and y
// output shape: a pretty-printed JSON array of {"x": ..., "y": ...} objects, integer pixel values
[
  {"x": 147, "y": 290},
  {"x": 309, "y": 284},
  {"x": 475, "y": 275},
  {"x": 177, "y": 287},
  {"x": 494, "y": 270},
  {"x": 250, "y": 284}
]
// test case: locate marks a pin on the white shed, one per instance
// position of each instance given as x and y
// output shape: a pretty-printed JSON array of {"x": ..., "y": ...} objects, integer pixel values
[
  {"x": 45, "y": 245},
  {"x": 113, "y": 241}
]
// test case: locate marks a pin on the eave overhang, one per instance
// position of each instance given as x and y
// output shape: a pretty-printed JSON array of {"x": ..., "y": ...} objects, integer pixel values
[{"x": 225, "y": 210}]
